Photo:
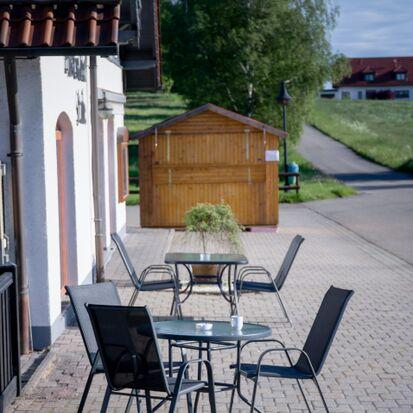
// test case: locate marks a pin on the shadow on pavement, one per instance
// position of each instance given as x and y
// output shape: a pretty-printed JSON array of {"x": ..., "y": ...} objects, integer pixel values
[{"x": 376, "y": 176}]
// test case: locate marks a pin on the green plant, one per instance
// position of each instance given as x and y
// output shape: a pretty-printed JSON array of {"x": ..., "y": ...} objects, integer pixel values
[{"x": 214, "y": 222}]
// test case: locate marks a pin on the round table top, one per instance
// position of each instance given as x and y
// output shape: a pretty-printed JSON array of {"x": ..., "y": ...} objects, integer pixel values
[
  {"x": 197, "y": 258},
  {"x": 221, "y": 331}
]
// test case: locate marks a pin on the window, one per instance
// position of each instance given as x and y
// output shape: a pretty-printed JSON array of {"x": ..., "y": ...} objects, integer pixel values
[
  {"x": 369, "y": 77},
  {"x": 360, "y": 94},
  {"x": 400, "y": 76},
  {"x": 345, "y": 95},
  {"x": 327, "y": 95},
  {"x": 123, "y": 164},
  {"x": 402, "y": 94}
]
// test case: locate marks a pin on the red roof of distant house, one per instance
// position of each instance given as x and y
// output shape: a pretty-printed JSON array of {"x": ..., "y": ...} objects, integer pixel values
[
  {"x": 55, "y": 27},
  {"x": 384, "y": 69}
]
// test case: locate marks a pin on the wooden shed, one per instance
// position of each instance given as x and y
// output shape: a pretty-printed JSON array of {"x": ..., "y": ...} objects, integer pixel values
[{"x": 208, "y": 154}]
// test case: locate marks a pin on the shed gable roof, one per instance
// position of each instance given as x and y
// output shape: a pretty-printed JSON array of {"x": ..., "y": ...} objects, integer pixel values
[{"x": 216, "y": 109}]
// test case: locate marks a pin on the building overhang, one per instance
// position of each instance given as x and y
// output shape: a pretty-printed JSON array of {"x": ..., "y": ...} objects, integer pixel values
[
  {"x": 59, "y": 27},
  {"x": 139, "y": 49}
]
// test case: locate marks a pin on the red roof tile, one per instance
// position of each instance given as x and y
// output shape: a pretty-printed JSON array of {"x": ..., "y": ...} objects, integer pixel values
[
  {"x": 384, "y": 69},
  {"x": 58, "y": 28}
]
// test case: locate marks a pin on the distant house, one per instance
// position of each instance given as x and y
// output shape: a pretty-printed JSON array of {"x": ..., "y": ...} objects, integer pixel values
[{"x": 376, "y": 78}]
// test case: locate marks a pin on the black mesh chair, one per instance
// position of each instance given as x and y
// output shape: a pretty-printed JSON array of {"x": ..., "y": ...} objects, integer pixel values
[
  {"x": 273, "y": 285},
  {"x": 311, "y": 357},
  {"x": 132, "y": 360},
  {"x": 141, "y": 284},
  {"x": 103, "y": 293}
]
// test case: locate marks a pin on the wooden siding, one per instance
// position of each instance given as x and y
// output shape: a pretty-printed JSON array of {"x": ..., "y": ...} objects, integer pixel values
[{"x": 207, "y": 158}]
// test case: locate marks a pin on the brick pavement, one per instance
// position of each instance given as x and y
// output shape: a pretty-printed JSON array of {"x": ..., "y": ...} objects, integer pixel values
[{"x": 370, "y": 365}]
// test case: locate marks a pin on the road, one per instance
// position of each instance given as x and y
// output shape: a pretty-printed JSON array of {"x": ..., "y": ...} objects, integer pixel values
[{"x": 382, "y": 212}]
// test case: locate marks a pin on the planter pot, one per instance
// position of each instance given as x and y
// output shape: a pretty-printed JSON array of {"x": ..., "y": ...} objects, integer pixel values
[{"x": 206, "y": 273}]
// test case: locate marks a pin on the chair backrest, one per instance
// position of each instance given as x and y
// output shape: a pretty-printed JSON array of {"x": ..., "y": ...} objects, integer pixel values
[
  {"x": 288, "y": 261},
  {"x": 126, "y": 260},
  {"x": 102, "y": 293},
  {"x": 324, "y": 329},
  {"x": 128, "y": 347}
]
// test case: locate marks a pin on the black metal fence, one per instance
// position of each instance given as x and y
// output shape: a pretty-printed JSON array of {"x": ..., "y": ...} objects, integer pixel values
[{"x": 9, "y": 337}]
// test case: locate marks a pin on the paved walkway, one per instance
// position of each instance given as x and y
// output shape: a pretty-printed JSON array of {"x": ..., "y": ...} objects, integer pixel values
[
  {"x": 370, "y": 365},
  {"x": 382, "y": 212}
]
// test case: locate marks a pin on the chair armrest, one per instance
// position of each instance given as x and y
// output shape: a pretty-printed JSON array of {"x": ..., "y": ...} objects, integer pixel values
[
  {"x": 184, "y": 368},
  {"x": 254, "y": 271},
  {"x": 264, "y": 340},
  {"x": 251, "y": 269},
  {"x": 159, "y": 269},
  {"x": 286, "y": 351}
]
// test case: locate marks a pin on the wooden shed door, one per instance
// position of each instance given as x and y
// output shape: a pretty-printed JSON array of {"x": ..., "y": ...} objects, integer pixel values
[{"x": 63, "y": 235}]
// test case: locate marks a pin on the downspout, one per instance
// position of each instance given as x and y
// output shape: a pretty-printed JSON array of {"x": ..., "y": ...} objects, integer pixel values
[
  {"x": 16, "y": 155},
  {"x": 96, "y": 168}
]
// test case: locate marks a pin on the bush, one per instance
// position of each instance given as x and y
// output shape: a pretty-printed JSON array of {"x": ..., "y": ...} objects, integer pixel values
[{"x": 214, "y": 222}]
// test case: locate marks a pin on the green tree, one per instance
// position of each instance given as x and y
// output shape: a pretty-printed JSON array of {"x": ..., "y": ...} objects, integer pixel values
[
  {"x": 235, "y": 53},
  {"x": 340, "y": 68}
]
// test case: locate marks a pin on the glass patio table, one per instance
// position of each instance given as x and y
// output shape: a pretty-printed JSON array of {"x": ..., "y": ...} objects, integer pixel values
[
  {"x": 226, "y": 263},
  {"x": 186, "y": 330}
]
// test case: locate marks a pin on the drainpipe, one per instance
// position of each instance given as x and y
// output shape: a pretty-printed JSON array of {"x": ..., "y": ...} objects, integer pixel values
[
  {"x": 16, "y": 155},
  {"x": 96, "y": 168}
]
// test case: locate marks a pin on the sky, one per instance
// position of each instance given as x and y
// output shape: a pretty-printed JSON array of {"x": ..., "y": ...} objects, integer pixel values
[{"x": 372, "y": 28}]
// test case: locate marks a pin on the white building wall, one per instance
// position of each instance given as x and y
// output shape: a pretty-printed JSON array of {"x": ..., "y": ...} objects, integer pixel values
[
  {"x": 34, "y": 215},
  {"x": 46, "y": 92},
  {"x": 60, "y": 96},
  {"x": 110, "y": 79},
  {"x": 354, "y": 91}
]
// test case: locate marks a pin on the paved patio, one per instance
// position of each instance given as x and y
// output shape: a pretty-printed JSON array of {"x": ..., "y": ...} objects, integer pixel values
[{"x": 370, "y": 365}]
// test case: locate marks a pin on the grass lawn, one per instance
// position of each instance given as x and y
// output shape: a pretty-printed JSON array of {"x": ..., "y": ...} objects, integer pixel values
[
  {"x": 381, "y": 131},
  {"x": 145, "y": 109},
  {"x": 314, "y": 184},
  {"x": 142, "y": 111}
]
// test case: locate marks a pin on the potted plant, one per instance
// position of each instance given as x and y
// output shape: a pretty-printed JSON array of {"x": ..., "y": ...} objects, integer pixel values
[{"x": 217, "y": 231}]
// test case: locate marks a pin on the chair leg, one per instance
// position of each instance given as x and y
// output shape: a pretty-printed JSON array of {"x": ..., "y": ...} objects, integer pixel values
[
  {"x": 254, "y": 394},
  {"x": 244, "y": 399},
  {"x": 235, "y": 383},
  {"x": 138, "y": 401},
  {"x": 284, "y": 310},
  {"x": 172, "y": 311},
  {"x": 86, "y": 391},
  {"x": 174, "y": 403},
  {"x": 212, "y": 401},
  {"x": 186, "y": 375},
  {"x": 211, "y": 387},
  {"x": 148, "y": 401},
  {"x": 129, "y": 405},
  {"x": 133, "y": 297},
  {"x": 106, "y": 400},
  {"x": 321, "y": 394},
  {"x": 303, "y": 394}
]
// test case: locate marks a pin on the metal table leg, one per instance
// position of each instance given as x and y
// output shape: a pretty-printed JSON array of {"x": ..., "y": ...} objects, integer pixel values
[
  {"x": 198, "y": 394},
  {"x": 232, "y": 289},
  {"x": 236, "y": 376}
]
